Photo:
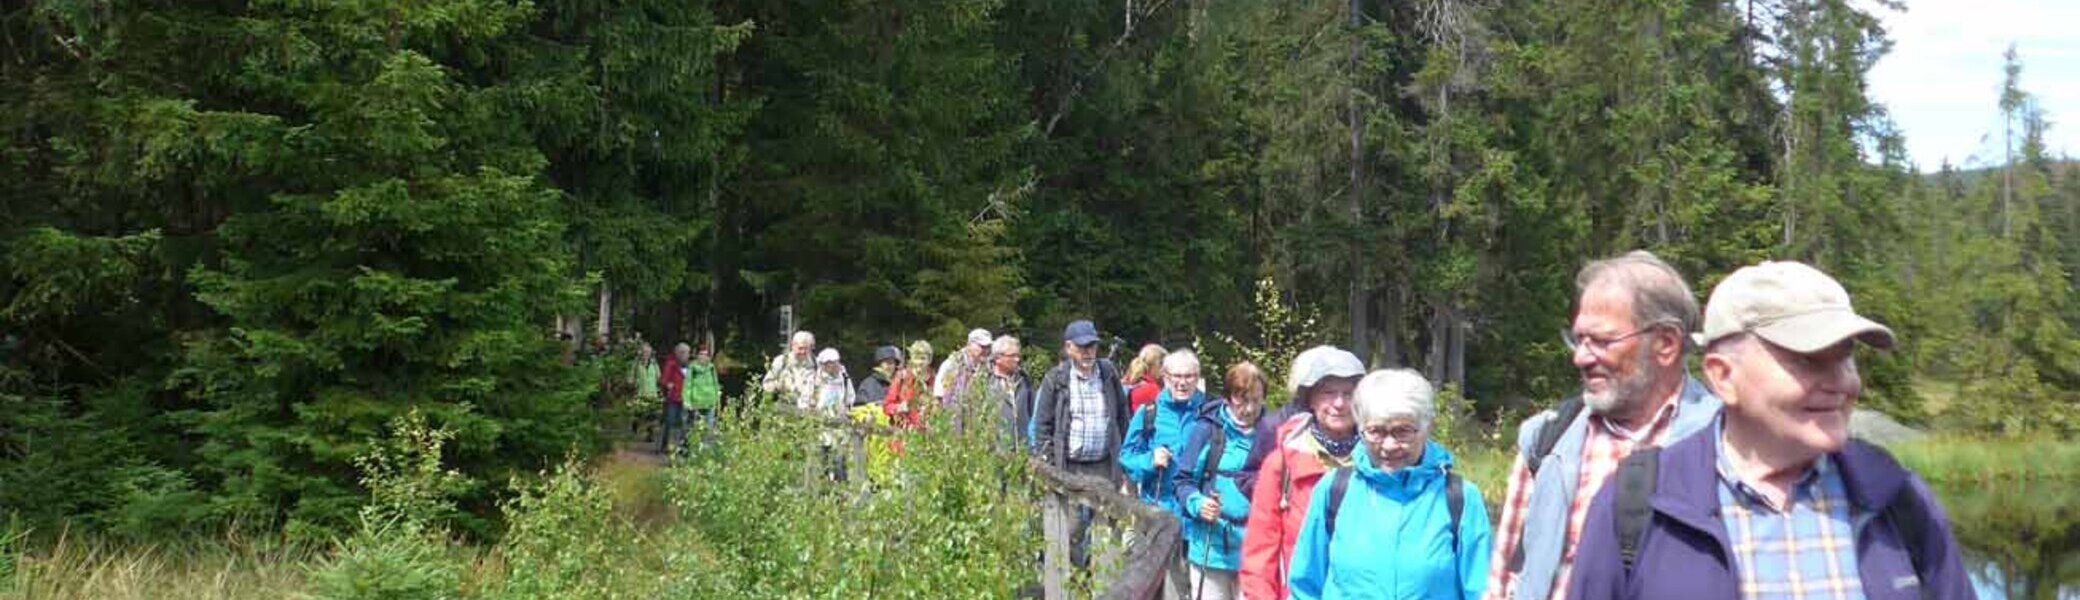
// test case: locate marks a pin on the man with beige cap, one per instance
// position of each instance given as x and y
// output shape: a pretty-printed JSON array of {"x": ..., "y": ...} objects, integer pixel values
[{"x": 1775, "y": 500}]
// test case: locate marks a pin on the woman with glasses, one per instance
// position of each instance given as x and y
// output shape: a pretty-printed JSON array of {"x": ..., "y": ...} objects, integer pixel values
[
  {"x": 1322, "y": 435},
  {"x": 1397, "y": 523},
  {"x": 1213, "y": 503}
]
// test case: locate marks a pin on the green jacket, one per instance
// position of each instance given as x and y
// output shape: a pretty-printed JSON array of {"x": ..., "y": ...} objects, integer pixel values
[{"x": 702, "y": 391}]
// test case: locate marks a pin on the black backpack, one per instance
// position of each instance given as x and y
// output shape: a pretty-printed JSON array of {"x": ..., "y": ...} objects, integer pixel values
[
  {"x": 1640, "y": 473},
  {"x": 1454, "y": 501}
]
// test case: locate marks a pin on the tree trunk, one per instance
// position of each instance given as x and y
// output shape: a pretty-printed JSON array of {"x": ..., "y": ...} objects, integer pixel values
[{"x": 1361, "y": 295}]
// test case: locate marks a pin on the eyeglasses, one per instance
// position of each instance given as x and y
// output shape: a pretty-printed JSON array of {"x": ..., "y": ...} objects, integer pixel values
[
  {"x": 1401, "y": 433},
  {"x": 1598, "y": 346}
]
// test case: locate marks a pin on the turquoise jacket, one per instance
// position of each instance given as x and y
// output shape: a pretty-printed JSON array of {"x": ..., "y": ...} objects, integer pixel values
[
  {"x": 1215, "y": 545},
  {"x": 1393, "y": 538},
  {"x": 1166, "y": 429}
]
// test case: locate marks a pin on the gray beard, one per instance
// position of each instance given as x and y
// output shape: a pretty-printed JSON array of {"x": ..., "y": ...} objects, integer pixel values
[{"x": 1627, "y": 393}]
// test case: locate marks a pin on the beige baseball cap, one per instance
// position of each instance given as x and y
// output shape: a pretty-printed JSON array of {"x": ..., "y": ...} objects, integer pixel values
[{"x": 1792, "y": 305}]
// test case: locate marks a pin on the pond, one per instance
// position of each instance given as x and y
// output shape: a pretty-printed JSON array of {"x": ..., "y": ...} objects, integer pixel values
[{"x": 2022, "y": 539}]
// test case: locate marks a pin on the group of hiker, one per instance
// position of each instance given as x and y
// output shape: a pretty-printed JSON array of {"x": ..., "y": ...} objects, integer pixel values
[
  {"x": 1738, "y": 482},
  {"x": 1741, "y": 482}
]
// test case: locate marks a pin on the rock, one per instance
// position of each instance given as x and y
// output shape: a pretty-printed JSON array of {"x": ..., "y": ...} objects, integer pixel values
[{"x": 1878, "y": 428}]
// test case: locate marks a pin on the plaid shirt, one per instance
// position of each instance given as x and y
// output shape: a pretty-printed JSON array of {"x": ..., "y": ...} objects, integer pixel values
[
  {"x": 1606, "y": 445},
  {"x": 1090, "y": 425},
  {"x": 1804, "y": 551}
]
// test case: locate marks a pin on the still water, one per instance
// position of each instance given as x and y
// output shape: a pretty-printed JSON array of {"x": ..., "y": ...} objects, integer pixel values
[{"x": 2022, "y": 539}]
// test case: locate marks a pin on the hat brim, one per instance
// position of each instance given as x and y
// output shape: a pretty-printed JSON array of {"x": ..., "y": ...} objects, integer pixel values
[
  {"x": 1084, "y": 340},
  {"x": 1816, "y": 331}
]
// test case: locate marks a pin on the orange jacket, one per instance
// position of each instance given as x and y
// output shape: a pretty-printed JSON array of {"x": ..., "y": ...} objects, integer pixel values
[
  {"x": 1278, "y": 506},
  {"x": 900, "y": 407}
]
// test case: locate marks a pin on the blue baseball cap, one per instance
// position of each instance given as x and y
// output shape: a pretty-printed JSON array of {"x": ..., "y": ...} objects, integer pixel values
[{"x": 1081, "y": 333}]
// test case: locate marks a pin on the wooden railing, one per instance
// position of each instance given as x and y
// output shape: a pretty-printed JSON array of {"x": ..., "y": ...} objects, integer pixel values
[{"x": 1148, "y": 556}]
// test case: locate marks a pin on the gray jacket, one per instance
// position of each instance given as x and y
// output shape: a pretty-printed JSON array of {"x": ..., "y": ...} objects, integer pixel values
[{"x": 1553, "y": 489}]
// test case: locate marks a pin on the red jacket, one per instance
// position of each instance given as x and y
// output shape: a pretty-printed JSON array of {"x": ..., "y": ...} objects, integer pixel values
[
  {"x": 902, "y": 390},
  {"x": 1291, "y": 471},
  {"x": 1144, "y": 392},
  {"x": 672, "y": 380}
]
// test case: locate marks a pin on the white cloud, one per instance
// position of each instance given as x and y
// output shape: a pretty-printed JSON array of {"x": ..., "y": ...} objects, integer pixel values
[{"x": 1941, "y": 82}]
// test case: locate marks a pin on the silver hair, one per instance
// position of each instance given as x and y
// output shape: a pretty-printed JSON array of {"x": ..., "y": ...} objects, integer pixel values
[
  {"x": 1004, "y": 344},
  {"x": 1179, "y": 359},
  {"x": 1392, "y": 393},
  {"x": 803, "y": 337},
  {"x": 1659, "y": 293}
]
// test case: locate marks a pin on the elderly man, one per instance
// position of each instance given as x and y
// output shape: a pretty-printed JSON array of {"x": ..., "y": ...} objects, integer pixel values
[
  {"x": 950, "y": 385},
  {"x": 1080, "y": 416},
  {"x": 1774, "y": 501},
  {"x": 791, "y": 378},
  {"x": 1009, "y": 392},
  {"x": 1631, "y": 328}
]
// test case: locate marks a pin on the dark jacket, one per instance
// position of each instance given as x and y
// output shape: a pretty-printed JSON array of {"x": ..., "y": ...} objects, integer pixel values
[
  {"x": 1013, "y": 412},
  {"x": 872, "y": 388},
  {"x": 1051, "y": 407},
  {"x": 1264, "y": 440},
  {"x": 1685, "y": 554}
]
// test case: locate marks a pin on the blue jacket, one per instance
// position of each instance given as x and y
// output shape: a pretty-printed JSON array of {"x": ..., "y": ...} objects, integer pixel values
[
  {"x": 1213, "y": 545},
  {"x": 1684, "y": 553},
  {"x": 1393, "y": 537},
  {"x": 1137, "y": 453}
]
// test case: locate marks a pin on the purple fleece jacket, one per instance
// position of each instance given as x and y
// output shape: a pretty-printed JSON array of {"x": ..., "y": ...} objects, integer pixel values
[{"x": 1685, "y": 554}]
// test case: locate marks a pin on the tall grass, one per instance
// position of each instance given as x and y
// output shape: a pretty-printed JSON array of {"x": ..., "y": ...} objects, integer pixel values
[
  {"x": 1970, "y": 459},
  {"x": 232, "y": 567}
]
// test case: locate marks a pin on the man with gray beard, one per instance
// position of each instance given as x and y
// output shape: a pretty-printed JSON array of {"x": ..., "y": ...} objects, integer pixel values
[{"x": 1631, "y": 330}]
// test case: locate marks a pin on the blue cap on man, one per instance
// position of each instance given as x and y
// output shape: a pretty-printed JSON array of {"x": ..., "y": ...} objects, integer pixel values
[{"x": 1081, "y": 333}]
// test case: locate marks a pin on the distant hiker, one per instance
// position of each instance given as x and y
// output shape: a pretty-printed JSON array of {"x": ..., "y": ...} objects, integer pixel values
[
  {"x": 1210, "y": 498},
  {"x": 1080, "y": 416},
  {"x": 1144, "y": 378},
  {"x": 1630, "y": 333},
  {"x": 1773, "y": 500},
  {"x": 873, "y": 389},
  {"x": 833, "y": 395},
  {"x": 1397, "y": 523},
  {"x": 703, "y": 395},
  {"x": 1009, "y": 394},
  {"x": 1320, "y": 437},
  {"x": 644, "y": 379},
  {"x": 950, "y": 385},
  {"x": 791, "y": 377},
  {"x": 910, "y": 383},
  {"x": 673, "y": 379}
]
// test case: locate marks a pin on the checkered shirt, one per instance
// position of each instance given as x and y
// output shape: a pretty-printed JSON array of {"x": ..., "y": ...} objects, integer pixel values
[
  {"x": 1607, "y": 445},
  {"x": 1804, "y": 551},
  {"x": 1090, "y": 424}
]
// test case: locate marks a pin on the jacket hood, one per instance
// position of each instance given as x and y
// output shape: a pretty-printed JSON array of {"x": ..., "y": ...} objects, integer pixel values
[{"x": 1436, "y": 460}]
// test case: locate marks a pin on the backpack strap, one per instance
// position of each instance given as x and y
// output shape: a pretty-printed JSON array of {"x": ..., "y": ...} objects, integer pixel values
[
  {"x": 1216, "y": 445},
  {"x": 1454, "y": 501},
  {"x": 1336, "y": 491},
  {"x": 1637, "y": 477},
  {"x": 1549, "y": 432},
  {"x": 1542, "y": 444}
]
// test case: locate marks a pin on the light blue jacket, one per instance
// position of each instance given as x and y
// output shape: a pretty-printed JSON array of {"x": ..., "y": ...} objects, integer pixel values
[
  {"x": 1552, "y": 489},
  {"x": 1137, "y": 454},
  {"x": 1216, "y": 545},
  {"x": 1393, "y": 537}
]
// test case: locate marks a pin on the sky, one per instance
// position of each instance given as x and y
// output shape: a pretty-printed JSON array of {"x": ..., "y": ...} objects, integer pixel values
[{"x": 1941, "y": 82}]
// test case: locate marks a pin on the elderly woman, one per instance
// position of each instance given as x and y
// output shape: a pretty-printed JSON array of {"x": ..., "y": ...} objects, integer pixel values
[
  {"x": 1209, "y": 490},
  {"x": 1321, "y": 435},
  {"x": 1392, "y": 526}
]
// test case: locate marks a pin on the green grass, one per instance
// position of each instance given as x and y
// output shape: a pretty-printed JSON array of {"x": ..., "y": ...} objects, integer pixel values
[
  {"x": 1488, "y": 469},
  {"x": 1969, "y": 459}
]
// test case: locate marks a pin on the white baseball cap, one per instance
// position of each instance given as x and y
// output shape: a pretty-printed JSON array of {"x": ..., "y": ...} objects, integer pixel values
[
  {"x": 828, "y": 355},
  {"x": 1322, "y": 362},
  {"x": 1793, "y": 306},
  {"x": 979, "y": 337}
]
